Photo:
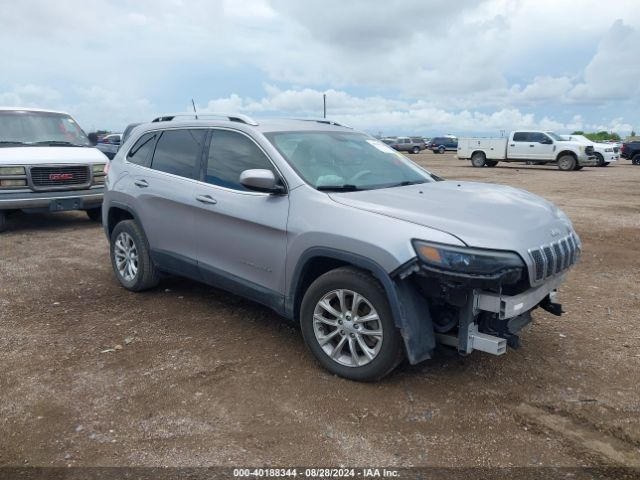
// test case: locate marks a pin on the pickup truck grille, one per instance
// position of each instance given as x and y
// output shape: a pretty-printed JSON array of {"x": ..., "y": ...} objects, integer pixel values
[
  {"x": 552, "y": 259},
  {"x": 616, "y": 149},
  {"x": 51, "y": 177}
]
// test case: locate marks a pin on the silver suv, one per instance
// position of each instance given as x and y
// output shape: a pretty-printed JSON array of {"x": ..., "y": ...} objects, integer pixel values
[{"x": 376, "y": 258}]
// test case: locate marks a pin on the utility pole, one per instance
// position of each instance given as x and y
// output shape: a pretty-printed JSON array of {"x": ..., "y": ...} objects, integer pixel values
[{"x": 324, "y": 107}]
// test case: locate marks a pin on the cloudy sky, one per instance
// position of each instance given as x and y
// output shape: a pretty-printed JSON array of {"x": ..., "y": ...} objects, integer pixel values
[{"x": 399, "y": 67}]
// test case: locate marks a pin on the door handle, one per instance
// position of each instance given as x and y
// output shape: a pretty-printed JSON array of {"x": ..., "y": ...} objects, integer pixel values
[
  {"x": 206, "y": 199},
  {"x": 512, "y": 144},
  {"x": 532, "y": 146},
  {"x": 141, "y": 183}
]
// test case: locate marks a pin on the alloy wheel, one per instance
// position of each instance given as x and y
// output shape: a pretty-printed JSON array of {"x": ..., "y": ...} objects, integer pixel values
[{"x": 126, "y": 256}]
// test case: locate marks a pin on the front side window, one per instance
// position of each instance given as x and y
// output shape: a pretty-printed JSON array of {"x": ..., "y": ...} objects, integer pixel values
[
  {"x": 178, "y": 152},
  {"x": 31, "y": 128},
  {"x": 230, "y": 154},
  {"x": 346, "y": 160},
  {"x": 538, "y": 137}
]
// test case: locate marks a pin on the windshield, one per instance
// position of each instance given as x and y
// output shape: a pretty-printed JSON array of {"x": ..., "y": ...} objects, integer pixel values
[
  {"x": 39, "y": 128},
  {"x": 556, "y": 137},
  {"x": 346, "y": 161}
]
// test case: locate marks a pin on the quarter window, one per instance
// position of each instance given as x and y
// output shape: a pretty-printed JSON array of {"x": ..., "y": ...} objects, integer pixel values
[
  {"x": 178, "y": 152},
  {"x": 140, "y": 152},
  {"x": 230, "y": 154}
]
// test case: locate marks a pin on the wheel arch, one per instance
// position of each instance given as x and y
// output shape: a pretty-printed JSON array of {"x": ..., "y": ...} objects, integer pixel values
[
  {"x": 117, "y": 213},
  {"x": 409, "y": 308},
  {"x": 562, "y": 153}
]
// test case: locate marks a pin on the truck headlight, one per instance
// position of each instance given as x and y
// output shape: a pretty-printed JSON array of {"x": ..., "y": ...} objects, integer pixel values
[
  {"x": 12, "y": 171},
  {"x": 466, "y": 260},
  {"x": 98, "y": 167}
]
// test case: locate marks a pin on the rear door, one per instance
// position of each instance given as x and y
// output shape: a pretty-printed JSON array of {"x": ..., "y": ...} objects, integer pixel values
[
  {"x": 241, "y": 234},
  {"x": 166, "y": 203},
  {"x": 518, "y": 148}
]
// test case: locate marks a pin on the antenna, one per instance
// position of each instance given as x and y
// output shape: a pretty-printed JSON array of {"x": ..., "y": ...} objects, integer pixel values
[{"x": 194, "y": 108}]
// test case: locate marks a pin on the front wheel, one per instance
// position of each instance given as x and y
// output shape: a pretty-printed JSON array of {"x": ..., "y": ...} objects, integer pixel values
[
  {"x": 131, "y": 258},
  {"x": 415, "y": 150},
  {"x": 347, "y": 324},
  {"x": 600, "y": 159},
  {"x": 636, "y": 160},
  {"x": 566, "y": 163}
]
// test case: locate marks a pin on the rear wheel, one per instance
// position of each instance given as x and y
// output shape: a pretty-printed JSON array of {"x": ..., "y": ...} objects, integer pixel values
[
  {"x": 347, "y": 324},
  {"x": 478, "y": 159},
  {"x": 600, "y": 159},
  {"x": 3, "y": 221},
  {"x": 131, "y": 258},
  {"x": 441, "y": 150},
  {"x": 636, "y": 159},
  {"x": 578, "y": 167},
  {"x": 415, "y": 150},
  {"x": 566, "y": 163}
]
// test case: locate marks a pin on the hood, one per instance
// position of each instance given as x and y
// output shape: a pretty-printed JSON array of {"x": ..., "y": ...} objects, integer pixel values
[
  {"x": 481, "y": 215},
  {"x": 26, "y": 155}
]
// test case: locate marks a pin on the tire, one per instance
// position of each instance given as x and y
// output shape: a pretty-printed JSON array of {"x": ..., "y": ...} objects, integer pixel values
[
  {"x": 606, "y": 164},
  {"x": 566, "y": 163},
  {"x": 415, "y": 150},
  {"x": 491, "y": 163},
  {"x": 577, "y": 167},
  {"x": 384, "y": 351},
  {"x": 3, "y": 221},
  {"x": 636, "y": 159},
  {"x": 127, "y": 238},
  {"x": 441, "y": 150},
  {"x": 478, "y": 160},
  {"x": 95, "y": 214},
  {"x": 600, "y": 159}
]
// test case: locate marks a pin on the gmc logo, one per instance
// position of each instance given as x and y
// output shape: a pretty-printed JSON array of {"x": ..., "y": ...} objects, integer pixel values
[{"x": 61, "y": 176}]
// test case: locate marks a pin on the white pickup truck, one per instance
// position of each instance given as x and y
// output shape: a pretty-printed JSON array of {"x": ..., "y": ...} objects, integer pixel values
[
  {"x": 604, "y": 152},
  {"x": 531, "y": 146}
]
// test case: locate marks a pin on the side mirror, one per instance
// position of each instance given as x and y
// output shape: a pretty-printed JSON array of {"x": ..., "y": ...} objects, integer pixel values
[
  {"x": 547, "y": 141},
  {"x": 261, "y": 180}
]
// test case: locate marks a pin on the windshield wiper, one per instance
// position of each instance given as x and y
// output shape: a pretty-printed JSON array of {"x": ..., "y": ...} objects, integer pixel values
[
  {"x": 59, "y": 142},
  {"x": 12, "y": 142},
  {"x": 338, "y": 188},
  {"x": 405, "y": 183}
]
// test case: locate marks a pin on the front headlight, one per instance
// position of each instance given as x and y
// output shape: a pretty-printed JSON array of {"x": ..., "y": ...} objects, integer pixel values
[
  {"x": 463, "y": 260},
  {"x": 12, "y": 171},
  {"x": 98, "y": 167}
]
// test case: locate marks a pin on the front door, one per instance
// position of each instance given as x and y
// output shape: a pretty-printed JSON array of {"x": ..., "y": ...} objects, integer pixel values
[{"x": 241, "y": 234}]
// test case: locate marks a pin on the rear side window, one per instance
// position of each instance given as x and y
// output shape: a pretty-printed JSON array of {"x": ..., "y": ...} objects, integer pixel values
[
  {"x": 520, "y": 136},
  {"x": 230, "y": 154},
  {"x": 178, "y": 152},
  {"x": 140, "y": 153}
]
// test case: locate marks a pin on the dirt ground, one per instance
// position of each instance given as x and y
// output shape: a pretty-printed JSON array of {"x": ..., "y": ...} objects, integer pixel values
[{"x": 199, "y": 377}]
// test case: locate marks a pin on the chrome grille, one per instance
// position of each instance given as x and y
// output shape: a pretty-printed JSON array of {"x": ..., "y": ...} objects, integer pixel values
[
  {"x": 549, "y": 260},
  {"x": 60, "y": 176}
]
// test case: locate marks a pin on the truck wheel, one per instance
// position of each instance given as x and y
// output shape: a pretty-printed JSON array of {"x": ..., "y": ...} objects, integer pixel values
[
  {"x": 478, "y": 159},
  {"x": 577, "y": 167},
  {"x": 600, "y": 159},
  {"x": 131, "y": 259},
  {"x": 415, "y": 150},
  {"x": 95, "y": 214},
  {"x": 441, "y": 150},
  {"x": 636, "y": 159},
  {"x": 3, "y": 221},
  {"x": 491, "y": 163},
  {"x": 566, "y": 163},
  {"x": 347, "y": 324}
]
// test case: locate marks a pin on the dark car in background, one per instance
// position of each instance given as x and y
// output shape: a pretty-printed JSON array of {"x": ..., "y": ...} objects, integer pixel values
[
  {"x": 443, "y": 144},
  {"x": 109, "y": 144},
  {"x": 631, "y": 151}
]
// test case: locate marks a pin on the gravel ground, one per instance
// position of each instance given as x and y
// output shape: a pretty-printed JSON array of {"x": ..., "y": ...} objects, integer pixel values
[{"x": 186, "y": 375}]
